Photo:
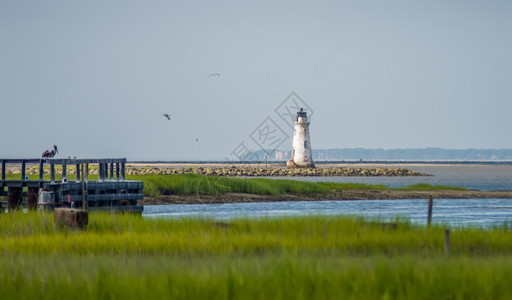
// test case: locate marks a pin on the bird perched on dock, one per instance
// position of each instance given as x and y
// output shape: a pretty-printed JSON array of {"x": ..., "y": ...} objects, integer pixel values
[
  {"x": 50, "y": 154},
  {"x": 167, "y": 116},
  {"x": 214, "y": 74}
]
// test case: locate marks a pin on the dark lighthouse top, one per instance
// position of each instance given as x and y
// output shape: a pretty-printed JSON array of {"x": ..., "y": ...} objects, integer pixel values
[{"x": 301, "y": 114}]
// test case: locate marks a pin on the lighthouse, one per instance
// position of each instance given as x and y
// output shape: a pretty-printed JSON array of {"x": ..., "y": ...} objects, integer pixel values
[{"x": 301, "y": 147}]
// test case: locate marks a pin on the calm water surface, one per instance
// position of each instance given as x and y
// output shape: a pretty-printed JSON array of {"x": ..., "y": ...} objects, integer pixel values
[
  {"x": 473, "y": 177},
  {"x": 454, "y": 212}
]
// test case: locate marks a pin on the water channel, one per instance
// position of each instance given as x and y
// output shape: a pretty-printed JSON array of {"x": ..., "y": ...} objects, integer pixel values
[{"x": 455, "y": 212}]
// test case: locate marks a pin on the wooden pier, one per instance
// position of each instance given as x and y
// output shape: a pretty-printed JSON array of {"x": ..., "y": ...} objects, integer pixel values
[{"x": 67, "y": 184}]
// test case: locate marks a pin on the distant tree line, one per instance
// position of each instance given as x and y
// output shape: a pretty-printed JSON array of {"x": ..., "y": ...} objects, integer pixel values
[{"x": 396, "y": 154}]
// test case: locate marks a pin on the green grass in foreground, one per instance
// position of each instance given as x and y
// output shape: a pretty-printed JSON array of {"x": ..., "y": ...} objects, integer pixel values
[
  {"x": 194, "y": 184},
  {"x": 128, "y": 257}
]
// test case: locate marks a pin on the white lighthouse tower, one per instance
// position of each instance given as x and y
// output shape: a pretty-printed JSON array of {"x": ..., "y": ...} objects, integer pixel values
[{"x": 301, "y": 148}]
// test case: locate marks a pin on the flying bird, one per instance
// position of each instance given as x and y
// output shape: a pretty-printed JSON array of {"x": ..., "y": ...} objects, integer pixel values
[
  {"x": 167, "y": 116},
  {"x": 214, "y": 74},
  {"x": 197, "y": 139}
]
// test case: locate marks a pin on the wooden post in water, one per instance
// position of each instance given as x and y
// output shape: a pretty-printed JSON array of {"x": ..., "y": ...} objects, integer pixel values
[
  {"x": 429, "y": 215},
  {"x": 447, "y": 242}
]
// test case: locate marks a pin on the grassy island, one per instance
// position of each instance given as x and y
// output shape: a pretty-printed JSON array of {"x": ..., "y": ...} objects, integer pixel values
[{"x": 196, "y": 188}]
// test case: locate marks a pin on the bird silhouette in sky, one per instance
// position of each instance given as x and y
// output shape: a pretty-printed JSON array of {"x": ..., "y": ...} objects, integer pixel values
[
  {"x": 167, "y": 116},
  {"x": 197, "y": 139},
  {"x": 214, "y": 74}
]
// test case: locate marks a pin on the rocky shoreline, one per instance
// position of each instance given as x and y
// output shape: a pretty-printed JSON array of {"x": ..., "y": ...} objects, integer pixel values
[
  {"x": 247, "y": 171},
  {"x": 276, "y": 172}
]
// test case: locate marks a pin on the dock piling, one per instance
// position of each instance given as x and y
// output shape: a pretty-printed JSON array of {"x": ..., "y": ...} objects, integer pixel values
[
  {"x": 23, "y": 167},
  {"x": 77, "y": 172},
  {"x": 14, "y": 195},
  {"x": 41, "y": 169},
  {"x": 32, "y": 194},
  {"x": 3, "y": 170},
  {"x": 429, "y": 215},
  {"x": 52, "y": 172},
  {"x": 64, "y": 165},
  {"x": 447, "y": 242}
]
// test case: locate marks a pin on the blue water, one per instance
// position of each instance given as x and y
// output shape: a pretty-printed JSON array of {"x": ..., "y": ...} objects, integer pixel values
[
  {"x": 454, "y": 212},
  {"x": 473, "y": 177}
]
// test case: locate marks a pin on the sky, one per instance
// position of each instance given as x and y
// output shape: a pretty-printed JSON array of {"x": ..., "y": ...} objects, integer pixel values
[{"x": 96, "y": 77}]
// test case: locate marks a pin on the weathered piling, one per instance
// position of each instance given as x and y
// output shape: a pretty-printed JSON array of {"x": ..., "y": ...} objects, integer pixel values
[
  {"x": 74, "y": 218},
  {"x": 429, "y": 215},
  {"x": 447, "y": 242},
  {"x": 32, "y": 195},
  {"x": 14, "y": 197}
]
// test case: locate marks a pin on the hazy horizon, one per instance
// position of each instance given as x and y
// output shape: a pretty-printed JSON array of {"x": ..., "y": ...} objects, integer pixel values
[{"x": 95, "y": 78}]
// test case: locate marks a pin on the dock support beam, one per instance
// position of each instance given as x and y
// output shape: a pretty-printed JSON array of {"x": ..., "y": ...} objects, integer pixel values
[
  {"x": 3, "y": 170},
  {"x": 64, "y": 165},
  {"x": 14, "y": 195},
  {"x": 41, "y": 170},
  {"x": 32, "y": 195},
  {"x": 52, "y": 172},
  {"x": 122, "y": 171},
  {"x": 77, "y": 172},
  {"x": 23, "y": 167}
]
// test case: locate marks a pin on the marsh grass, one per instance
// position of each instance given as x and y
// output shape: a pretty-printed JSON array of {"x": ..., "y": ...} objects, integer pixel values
[
  {"x": 268, "y": 277},
  {"x": 33, "y": 232},
  {"x": 127, "y": 257},
  {"x": 195, "y": 184}
]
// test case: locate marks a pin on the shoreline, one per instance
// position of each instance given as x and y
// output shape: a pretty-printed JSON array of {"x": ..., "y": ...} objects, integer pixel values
[{"x": 346, "y": 195}]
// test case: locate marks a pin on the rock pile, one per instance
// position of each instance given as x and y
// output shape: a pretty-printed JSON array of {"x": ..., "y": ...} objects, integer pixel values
[
  {"x": 278, "y": 172},
  {"x": 251, "y": 172}
]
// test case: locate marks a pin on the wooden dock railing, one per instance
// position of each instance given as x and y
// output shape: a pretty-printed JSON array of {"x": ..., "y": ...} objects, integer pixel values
[{"x": 110, "y": 189}]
